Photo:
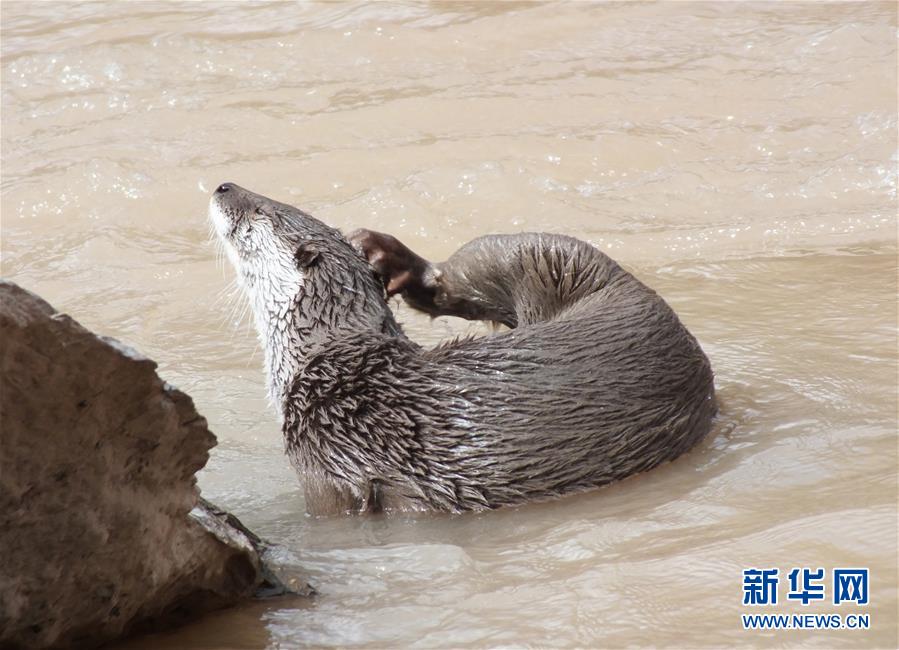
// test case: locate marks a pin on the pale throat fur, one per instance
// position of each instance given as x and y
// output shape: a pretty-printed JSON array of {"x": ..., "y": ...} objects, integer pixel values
[{"x": 272, "y": 285}]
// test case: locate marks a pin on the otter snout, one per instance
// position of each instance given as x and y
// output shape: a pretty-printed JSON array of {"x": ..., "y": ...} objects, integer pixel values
[{"x": 229, "y": 204}]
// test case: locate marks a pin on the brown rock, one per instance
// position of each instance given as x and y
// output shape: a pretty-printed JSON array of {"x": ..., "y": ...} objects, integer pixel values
[{"x": 102, "y": 531}]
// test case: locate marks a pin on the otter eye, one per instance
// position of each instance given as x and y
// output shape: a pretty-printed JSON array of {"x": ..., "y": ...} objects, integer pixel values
[
  {"x": 305, "y": 257},
  {"x": 259, "y": 211}
]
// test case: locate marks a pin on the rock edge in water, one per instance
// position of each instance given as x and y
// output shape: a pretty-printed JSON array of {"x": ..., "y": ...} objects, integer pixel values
[{"x": 102, "y": 530}]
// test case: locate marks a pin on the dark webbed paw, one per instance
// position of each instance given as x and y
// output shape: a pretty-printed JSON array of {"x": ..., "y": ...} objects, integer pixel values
[{"x": 401, "y": 270}]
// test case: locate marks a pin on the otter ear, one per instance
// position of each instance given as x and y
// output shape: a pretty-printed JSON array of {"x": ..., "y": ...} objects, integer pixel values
[{"x": 306, "y": 256}]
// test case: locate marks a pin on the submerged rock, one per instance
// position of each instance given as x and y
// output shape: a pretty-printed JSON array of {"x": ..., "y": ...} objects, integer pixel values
[{"x": 102, "y": 530}]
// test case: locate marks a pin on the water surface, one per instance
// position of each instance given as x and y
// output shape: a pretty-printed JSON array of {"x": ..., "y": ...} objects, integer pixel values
[{"x": 739, "y": 158}]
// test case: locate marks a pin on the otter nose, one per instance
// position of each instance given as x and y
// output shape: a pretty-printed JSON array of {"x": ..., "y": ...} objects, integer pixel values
[{"x": 224, "y": 187}]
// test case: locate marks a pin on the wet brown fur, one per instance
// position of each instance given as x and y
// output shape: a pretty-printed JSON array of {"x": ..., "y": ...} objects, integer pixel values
[{"x": 597, "y": 379}]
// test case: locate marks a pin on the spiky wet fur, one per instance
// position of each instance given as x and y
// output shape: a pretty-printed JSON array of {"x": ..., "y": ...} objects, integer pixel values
[{"x": 598, "y": 379}]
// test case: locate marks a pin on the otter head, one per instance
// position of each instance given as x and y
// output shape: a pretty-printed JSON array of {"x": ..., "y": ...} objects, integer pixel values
[
  {"x": 274, "y": 247},
  {"x": 304, "y": 281}
]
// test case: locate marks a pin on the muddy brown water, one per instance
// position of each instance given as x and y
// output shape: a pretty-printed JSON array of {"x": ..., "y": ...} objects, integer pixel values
[{"x": 740, "y": 158}]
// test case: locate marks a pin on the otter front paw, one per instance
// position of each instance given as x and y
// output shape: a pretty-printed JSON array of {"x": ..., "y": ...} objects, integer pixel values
[{"x": 401, "y": 270}]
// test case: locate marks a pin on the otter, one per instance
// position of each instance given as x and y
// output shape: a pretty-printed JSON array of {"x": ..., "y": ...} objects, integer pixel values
[{"x": 595, "y": 380}]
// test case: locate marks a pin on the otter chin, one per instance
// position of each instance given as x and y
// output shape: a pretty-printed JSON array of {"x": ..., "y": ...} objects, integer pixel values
[{"x": 597, "y": 379}]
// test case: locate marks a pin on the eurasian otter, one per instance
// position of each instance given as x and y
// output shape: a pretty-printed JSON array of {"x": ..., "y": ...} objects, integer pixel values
[{"x": 597, "y": 380}]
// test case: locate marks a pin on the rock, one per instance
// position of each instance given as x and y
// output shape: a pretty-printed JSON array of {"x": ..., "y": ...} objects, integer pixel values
[{"x": 102, "y": 530}]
